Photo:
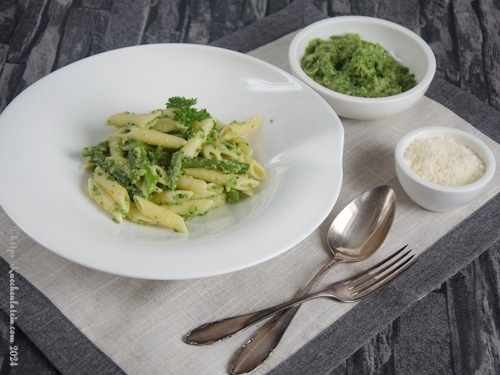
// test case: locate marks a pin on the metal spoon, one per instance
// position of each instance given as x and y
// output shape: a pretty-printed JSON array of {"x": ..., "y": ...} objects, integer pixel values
[{"x": 357, "y": 232}]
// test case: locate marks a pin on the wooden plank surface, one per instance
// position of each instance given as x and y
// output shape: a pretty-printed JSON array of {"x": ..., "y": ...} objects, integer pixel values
[
  {"x": 454, "y": 330},
  {"x": 40, "y": 36}
]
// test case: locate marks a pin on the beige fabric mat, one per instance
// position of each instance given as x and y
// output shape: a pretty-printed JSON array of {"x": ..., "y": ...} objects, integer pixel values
[{"x": 140, "y": 323}]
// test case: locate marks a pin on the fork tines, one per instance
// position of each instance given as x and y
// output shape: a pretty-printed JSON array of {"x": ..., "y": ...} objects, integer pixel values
[{"x": 374, "y": 278}]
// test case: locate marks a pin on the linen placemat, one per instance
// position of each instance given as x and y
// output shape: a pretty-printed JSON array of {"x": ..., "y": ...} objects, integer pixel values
[{"x": 139, "y": 324}]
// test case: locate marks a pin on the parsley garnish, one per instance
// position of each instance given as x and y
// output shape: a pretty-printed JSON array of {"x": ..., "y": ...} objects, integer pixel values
[{"x": 187, "y": 115}]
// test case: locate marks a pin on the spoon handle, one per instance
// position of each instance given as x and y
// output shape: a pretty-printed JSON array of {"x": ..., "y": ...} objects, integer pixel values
[
  {"x": 216, "y": 331},
  {"x": 258, "y": 348}
]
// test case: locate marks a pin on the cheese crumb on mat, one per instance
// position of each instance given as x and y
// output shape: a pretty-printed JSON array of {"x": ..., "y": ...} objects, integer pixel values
[{"x": 444, "y": 161}]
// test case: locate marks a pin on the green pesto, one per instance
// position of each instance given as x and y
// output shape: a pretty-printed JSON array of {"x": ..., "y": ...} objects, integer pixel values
[
  {"x": 355, "y": 67},
  {"x": 159, "y": 156},
  {"x": 229, "y": 146},
  {"x": 101, "y": 148},
  {"x": 96, "y": 190},
  {"x": 178, "y": 199},
  {"x": 118, "y": 208},
  {"x": 193, "y": 211}
]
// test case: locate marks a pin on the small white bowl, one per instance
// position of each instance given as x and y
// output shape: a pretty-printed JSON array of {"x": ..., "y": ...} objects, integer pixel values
[
  {"x": 435, "y": 197},
  {"x": 413, "y": 51}
]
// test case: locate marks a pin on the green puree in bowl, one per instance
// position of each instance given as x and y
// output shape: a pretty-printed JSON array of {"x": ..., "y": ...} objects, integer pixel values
[{"x": 355, "y": 67}]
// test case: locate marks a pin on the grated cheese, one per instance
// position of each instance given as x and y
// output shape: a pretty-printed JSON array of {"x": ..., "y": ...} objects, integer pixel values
[{"x": 444, "y": 161}]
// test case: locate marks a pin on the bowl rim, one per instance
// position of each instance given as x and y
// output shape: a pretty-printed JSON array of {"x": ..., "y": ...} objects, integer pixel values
[
  {"x": 418, "y": 88},
  {"x": 404, "y": 142}
]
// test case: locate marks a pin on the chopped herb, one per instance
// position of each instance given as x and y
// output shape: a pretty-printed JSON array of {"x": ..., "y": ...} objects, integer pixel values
[
  {"x": 118, "y": 208},
  {"x": 187, "y": 114},
  {"x": 96, "y": 190},
  {"x": 193, "y": 211},
  {"x": 228, "y": 145}
]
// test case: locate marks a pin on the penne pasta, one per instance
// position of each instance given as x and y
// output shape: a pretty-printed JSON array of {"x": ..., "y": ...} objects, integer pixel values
[
  {"x": 142, "y": 120},
  {"x": 193, "y": 184},
  {"x": 230, "y": 154},
  {"x": 248, "y": 192},
  {"x": 170, "y": 165},
  {"x": 113, "y": 188},
  {"x": 218, "y": 201},
  {"x": 209, "y": 151},
  {"x": 159, "y": 173},
  {"x": 242, "y": 145},
  {"x": 115, "y": 148},
  {"x": 217, "y": 177},
  {"x": 160, "y": 214},
  {"x": 170, "y": 112},
  {"x": 88, "y": 165},
  {"x": 98, "y": 195},
  {"x": 167, "y": 125},
  {"x": 193, "y": 207},
  {"x": 193, "y": 145},
  {"x": 135, "y": 216},
  {"x": 211, "y": 191},
  {"x": 149, "y": 136},
  {"x": 172, "y": 197},
  {"x": 256, "y": 170},
  {"x": 239, "y": 128}
]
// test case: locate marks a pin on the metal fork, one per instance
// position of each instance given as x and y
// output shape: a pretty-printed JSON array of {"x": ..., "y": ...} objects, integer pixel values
[{"x": 349, "y": 290}]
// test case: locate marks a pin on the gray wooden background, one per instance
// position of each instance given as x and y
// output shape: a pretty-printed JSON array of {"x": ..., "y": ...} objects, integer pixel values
[
  {"x": 39, "y": 36},
  {"x": 455, "y": 329}
]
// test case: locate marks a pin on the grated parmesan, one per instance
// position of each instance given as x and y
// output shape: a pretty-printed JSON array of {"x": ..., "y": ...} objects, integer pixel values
[{"x": 444, "y": 161}]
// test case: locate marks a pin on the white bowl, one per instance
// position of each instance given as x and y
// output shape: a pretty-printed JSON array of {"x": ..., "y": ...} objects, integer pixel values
[
  {"x": 414, "y": 52},
  {"x": 437, "y": 197}
]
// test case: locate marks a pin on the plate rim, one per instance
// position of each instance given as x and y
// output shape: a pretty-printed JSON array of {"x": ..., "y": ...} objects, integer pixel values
[{"x": 328, "y": 205}]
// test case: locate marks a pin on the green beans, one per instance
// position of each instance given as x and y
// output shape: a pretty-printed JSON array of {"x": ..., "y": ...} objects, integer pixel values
[
  {"x": 140, "y": 166},
  {"x": 226, "y": 166},
  {"x": 110, "y": 167},
  {"x": 234, "y": 195},
  {"x": 174, "y": 171}
]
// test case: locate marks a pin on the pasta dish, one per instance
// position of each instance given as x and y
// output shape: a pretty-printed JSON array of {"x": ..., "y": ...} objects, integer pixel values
[{"x": 171, "y": 165}]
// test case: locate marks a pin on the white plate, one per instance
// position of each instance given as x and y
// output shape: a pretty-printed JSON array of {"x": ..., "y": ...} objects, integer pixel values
[{"x": 45, "y": 128}]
